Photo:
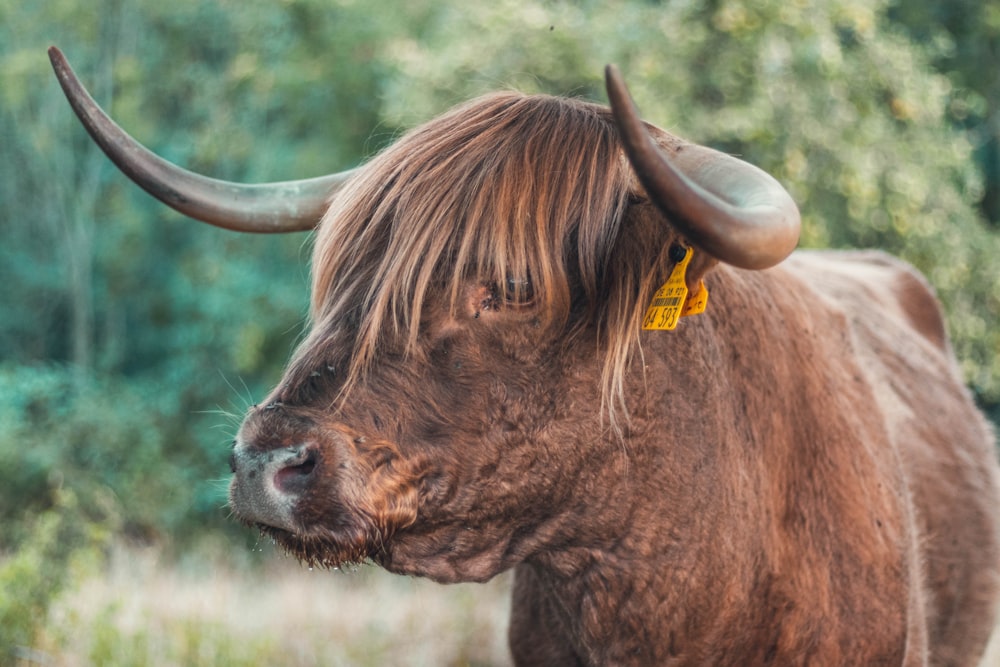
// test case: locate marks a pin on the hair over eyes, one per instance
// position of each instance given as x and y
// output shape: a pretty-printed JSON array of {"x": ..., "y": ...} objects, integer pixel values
[{"x": 504, "y": 186}]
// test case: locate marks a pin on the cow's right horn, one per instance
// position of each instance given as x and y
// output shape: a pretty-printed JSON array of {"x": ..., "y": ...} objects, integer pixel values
[
  {"x": 264, "y": 208},
  {"x": 730, "y": 208}
]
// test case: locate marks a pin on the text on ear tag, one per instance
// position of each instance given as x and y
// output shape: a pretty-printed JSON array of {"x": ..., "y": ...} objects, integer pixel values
[{"x": 697, "y": 301}]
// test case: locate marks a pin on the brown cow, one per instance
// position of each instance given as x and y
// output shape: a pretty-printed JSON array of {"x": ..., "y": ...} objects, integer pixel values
[{"x": 795, "y": 476}]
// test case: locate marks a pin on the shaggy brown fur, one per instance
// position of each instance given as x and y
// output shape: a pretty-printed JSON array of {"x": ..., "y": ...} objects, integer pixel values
[
  {"x": 529, "y": 189},
  {"x": 796, "y": 476}
]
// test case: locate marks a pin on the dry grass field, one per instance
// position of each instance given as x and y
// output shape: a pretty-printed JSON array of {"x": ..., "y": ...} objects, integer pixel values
[
  {"x": 224, "y": 612},
  {"x": 142, "y": 612}
]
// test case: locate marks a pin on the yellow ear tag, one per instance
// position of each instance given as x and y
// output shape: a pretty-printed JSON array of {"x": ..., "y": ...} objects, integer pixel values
[{"x": 671, "y": 301}]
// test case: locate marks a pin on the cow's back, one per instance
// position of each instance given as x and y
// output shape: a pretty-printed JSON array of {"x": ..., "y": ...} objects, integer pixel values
[{"x": 944, "y": 445}]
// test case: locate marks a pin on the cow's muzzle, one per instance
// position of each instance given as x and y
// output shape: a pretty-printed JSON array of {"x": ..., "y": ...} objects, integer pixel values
[{"x": 267, "y": 484}]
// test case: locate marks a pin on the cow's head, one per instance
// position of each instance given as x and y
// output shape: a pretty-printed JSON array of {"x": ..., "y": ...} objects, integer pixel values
[{"x": 478, "y": 289}]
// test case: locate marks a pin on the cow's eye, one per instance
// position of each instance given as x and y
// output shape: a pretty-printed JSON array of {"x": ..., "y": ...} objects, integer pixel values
[
  {"x": 510, "y": 293},
  {"x": 518, "y": 292}
]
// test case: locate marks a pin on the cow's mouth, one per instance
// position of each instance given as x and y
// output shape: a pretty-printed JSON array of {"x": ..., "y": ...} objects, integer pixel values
[
  {"x": 322, "y": 548},
  {"x": 329, "y": 498}
]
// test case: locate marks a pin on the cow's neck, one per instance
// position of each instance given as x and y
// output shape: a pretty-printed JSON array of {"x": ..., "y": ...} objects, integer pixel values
[{"x": 746, "y": 521}]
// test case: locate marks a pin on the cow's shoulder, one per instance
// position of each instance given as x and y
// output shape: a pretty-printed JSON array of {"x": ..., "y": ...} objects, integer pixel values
[{"x": 874, "y": 286}]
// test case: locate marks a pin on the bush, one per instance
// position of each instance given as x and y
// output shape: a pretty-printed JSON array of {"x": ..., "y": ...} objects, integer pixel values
[
  {"x": 121, "y": 448},
  {"x": 60, "y": 545}
]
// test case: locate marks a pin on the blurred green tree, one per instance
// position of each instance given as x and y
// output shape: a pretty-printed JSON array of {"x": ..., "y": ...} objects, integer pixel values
[
  {"x": 963, "y": 40},
  {"x": 123, "y": 296}
]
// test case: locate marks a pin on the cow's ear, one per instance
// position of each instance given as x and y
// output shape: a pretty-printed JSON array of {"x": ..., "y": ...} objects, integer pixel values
[
  {"x": 647, "y": 237},
  {"x": 701, "y": 263}
]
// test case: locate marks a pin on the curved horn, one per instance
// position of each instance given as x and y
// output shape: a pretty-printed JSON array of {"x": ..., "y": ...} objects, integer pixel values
[
  {"x": 264, "y": 208},
  {"x": 729, "y": 208}
]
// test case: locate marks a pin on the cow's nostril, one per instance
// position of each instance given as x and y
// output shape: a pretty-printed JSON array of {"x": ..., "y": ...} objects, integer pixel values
[
  {"x": 304, "y": 468},
  {"x": 293, "y": 478}
]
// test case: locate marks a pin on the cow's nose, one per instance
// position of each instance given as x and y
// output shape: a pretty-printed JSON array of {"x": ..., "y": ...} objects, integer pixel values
[{"x": 267, "y": 484}]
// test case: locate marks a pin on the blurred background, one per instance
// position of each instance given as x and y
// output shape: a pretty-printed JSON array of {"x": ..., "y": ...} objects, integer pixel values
[{"x": 132, "y": 339}]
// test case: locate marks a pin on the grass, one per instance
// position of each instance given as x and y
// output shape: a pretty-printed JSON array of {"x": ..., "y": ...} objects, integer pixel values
[
  {"x": 210, "y": 611},
  {"x": 239, "y": 609}
]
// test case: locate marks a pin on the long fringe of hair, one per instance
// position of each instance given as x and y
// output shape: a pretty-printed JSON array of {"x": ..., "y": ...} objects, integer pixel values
[{"x": 505, "y": 185}]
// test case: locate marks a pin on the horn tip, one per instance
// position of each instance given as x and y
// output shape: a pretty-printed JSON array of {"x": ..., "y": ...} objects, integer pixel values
[
  {"x": 618, "y": 92},
  {"x": 59, "y": 63},
  {"x": 612, "y": 77}
]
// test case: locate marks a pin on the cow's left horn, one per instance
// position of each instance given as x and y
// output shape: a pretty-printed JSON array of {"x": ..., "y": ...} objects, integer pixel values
[
  {"x": 266, "y": 207},
  {"x": 729, "y": 208}
]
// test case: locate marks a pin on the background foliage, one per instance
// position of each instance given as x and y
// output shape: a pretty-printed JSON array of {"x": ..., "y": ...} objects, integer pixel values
[{"x": 131, "y": 339}]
